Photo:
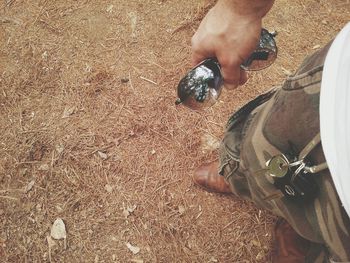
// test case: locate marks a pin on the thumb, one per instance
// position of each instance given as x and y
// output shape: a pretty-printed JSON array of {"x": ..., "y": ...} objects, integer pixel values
[{"x": 231, "y": 76}]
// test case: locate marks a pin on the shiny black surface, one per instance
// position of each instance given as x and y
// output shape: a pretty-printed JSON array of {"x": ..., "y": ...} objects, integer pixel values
[{"x": 202, "y": 85}]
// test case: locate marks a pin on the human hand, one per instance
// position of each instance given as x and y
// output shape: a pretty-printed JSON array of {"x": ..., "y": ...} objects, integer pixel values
[{"x": 231, "y": 36}]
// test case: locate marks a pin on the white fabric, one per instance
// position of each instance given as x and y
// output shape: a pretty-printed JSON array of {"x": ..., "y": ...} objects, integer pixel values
[{"x": 335, "y": 114}]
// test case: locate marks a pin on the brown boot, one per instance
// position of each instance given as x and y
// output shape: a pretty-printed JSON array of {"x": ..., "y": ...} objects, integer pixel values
[
  {"x": 207, "y": 176},
  {"x": 289, "y": 246}
]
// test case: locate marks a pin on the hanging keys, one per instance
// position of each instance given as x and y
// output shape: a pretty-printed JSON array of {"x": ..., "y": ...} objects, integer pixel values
[
  {"x": 294, "y": 178},
  {"x": 278, "y": 166}
]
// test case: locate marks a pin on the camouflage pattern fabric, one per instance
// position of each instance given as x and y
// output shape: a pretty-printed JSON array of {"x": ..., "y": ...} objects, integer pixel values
[{"x": 285, "y": 120}]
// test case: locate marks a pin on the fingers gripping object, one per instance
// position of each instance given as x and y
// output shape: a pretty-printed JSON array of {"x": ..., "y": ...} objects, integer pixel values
[{"x": 201, "y": 87}]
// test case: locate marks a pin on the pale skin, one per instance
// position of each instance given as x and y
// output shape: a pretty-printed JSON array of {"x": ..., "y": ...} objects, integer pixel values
[{"x": 230, "y": 32}]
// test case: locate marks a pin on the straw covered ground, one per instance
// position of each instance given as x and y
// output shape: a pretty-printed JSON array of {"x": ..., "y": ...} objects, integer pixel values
[{"x": 90, "y": 133}]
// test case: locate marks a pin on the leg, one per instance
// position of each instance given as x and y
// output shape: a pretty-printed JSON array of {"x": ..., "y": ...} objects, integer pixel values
[{"x": 285, "y": 124}]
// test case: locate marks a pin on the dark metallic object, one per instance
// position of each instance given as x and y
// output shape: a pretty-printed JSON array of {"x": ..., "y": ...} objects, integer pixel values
[
  {"x": 202, "y": 85},
  {"x": 296, "y": 177}
]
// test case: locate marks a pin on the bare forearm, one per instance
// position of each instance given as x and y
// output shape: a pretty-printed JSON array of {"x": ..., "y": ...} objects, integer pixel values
[{"x": 252, "y": 8}]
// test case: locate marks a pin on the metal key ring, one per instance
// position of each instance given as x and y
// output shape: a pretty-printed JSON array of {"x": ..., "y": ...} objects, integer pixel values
[
  {"x": 298, "y": 170},
  {"x": 296, "y": 163}
]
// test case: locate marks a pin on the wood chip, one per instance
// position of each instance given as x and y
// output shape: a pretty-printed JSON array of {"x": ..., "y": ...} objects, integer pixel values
[
  {"x": 59, "y": 148},
  {"x": 128, "y": 210},
  {"x": 181, "y": 209},
  {"x": 102, "y": 155},
  {"x": 68, "y": 111},
  {"x": 131, "y": 208},
  {"x": 133, "y": 23},
  {"x": 29, "y": 186},
  {"x": 209, "y": 143},
  {"x": 133, "y": 249},
  {"x": 44, "y": 167},
  {"x": 110, "y": 8},
  {"x": 58, "y": 229},
  {"x": 126, "y": 213},
  {"x": 256, "y": 243},
  {"x": 109, "y": 188},
  {"x": 260, "y": 255},
  {"x": 286, "y": 72}
]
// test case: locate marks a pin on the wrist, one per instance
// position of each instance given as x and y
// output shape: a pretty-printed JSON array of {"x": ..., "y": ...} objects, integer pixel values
[{"x": 247, "y": 9}]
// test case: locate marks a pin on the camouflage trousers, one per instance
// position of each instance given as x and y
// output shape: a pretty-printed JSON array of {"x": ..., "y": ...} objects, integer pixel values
[{"x": 286, "y": 119}]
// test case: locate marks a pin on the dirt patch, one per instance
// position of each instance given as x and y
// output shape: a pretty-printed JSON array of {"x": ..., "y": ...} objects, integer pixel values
[{"x": 90, "y": 132}]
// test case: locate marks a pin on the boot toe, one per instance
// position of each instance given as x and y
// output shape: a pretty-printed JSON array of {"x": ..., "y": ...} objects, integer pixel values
[{"x": 207, "y": 177}]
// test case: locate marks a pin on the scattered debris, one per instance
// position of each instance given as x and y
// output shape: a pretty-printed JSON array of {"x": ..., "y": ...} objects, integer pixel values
[
  {"x": 260, "y": 255},
  {"x": 23, "y": 172},
  {"x": 209, "y": 143},
  {"x": 109, "y": 188},
  {"x": 133, "y": 22},
  {"x": 59, "y": 208},
  {"x": 136, "y": 260},
  {"x": 181, "y": 209},
  {"x": 286, "y": 72},
  {"x": 256, "y": 243},
  {"x": 88, "y": 68},
  {"x": 102, "y": 155},
  {"x": 58, "y": 231},
  {"x": 148, "y": 80},
  {"x": 68, "y": 111},
  {"x": 153, "y": 152},
  {"x": 59, "y": 148},
  {"x": 128, "y": 210},
  {"x": 44, "y": 167},
  {"x": 110, "y": 8},
  {"x": 44, "y": 55},
  {"x": 133, "y": 249},
  {"x": 38, "y": 207},
  {"x": 212, "y": 259},
  {"x": 29, "y": 186},
  {"x": 124, "y": 80},
  {"x": 131, "y": 208},
  {"x": 126, "y": 213},
  {"x": 199, "y": 214},
  {"x": 316, "y": 47}
]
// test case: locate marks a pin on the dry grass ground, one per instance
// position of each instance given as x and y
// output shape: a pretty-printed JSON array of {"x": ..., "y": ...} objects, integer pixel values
[{"x": 90, "y": 132}]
